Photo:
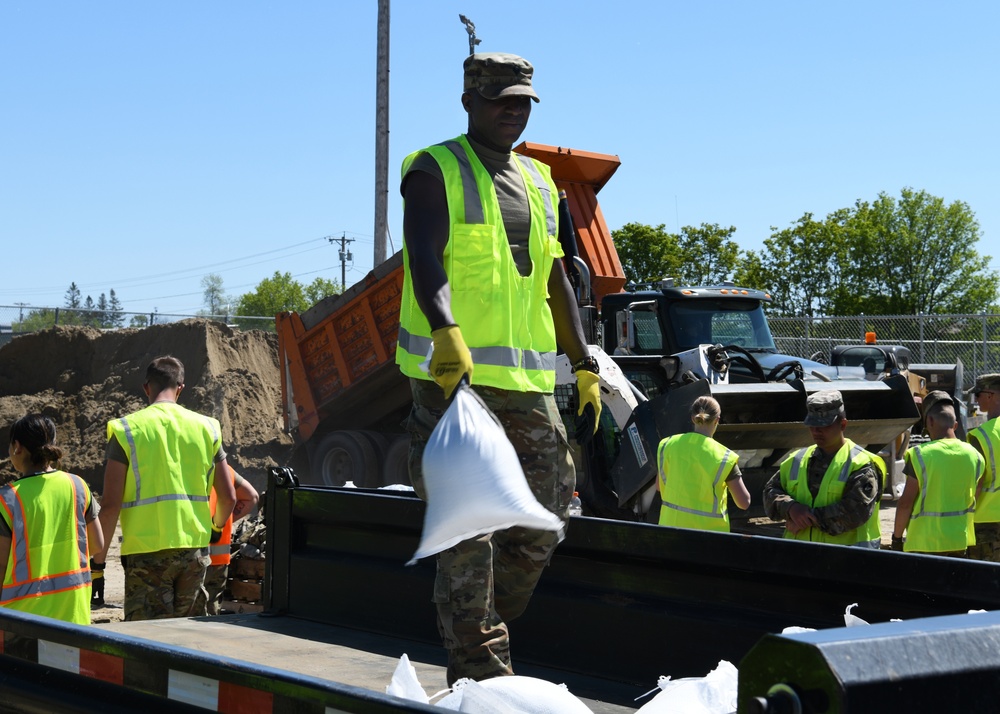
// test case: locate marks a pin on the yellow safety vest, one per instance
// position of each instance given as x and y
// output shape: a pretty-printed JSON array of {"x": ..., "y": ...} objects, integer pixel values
[
  {"x": 693, "y": 469},
  {"x": 942, "y": 517},
  {"x": 48, "y": 569},
  {"x": 171, "y": 452},
  {"x": 988, "y": 503},
  {"x": 848, "y": 459},
  {"x": 505, "y": 317}
]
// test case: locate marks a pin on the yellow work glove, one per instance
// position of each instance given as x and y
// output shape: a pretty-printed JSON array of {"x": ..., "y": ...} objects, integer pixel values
[
  {"x": 451, "y": 359},
  {"x": 588, "y": 386}
]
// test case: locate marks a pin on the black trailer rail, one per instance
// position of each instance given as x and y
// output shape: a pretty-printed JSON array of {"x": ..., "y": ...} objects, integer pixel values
[
  {"x": 49, "y": 666},
  {"x": 620, "y": 600}
]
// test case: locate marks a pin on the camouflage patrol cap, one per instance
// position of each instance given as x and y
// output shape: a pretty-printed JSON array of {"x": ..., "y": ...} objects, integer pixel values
[
  {"x": 986, "y": 383},
  {"x": 824, "y": 408},
  {"x": 498, "y": 74},
  {"x": 934, "y": 398}
]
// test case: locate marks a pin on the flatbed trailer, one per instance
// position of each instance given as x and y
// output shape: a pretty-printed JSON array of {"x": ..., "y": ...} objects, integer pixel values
[{"x": 621, "y": 604}]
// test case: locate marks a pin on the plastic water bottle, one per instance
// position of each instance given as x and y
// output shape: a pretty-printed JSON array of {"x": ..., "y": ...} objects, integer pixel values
[{"x": 575, "y": 505}]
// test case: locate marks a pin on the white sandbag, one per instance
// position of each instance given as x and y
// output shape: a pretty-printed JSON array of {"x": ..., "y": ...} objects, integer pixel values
[
  {"x": 851, "y": 620},
  {"x": 715, "y": 693},
  {"x": 518, "y": 695},
  {"x": 405, "y": 684},
  {"x": 473, "y": 479}
]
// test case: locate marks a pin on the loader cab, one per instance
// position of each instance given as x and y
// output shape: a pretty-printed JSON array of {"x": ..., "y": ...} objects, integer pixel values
[{"x": 875, "y": 359}]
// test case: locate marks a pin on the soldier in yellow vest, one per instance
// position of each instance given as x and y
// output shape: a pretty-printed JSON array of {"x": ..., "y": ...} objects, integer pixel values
[
  {"x": 986, "y": 439},
  {"x": 828, "y": 492},
  {"x": 485, "y": 285},
  {"x": 48, "y": 528},
  {"x": 162, "y": 461},
  {"x": 938, "y": 502},
  {"x": 695, "y": 473}
]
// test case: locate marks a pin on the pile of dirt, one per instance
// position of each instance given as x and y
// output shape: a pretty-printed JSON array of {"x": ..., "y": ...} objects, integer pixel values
[{"x": 82, "y": 378}]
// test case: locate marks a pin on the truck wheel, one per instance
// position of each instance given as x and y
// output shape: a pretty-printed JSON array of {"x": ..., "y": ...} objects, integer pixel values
[
  {"x": 344, "y": 456},
  {"x": 395, "y": 468}
]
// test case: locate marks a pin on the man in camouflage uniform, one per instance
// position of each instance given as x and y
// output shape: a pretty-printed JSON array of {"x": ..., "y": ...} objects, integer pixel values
[
  {"x": 986, "y": 439},
  {"x": 486, "y": 269},
  {"x": 162, "y": 461},
  {"x": 838, "y": 501}
]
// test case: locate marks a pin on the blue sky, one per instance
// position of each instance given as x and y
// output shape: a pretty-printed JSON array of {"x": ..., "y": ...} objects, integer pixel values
[{"x": 147, "y": 144}]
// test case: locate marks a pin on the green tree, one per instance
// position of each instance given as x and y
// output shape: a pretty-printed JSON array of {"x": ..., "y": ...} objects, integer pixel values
[
  {"x": 708, "y": 253},
  {"x": 698, "y": 256},
  {"x": 646, "y": 253},
  {"x": 116, "y": 315},
  {"x": 914, "y": 255},
  {"x": 37, "y": 320},
  {"x": 73, "y": 296},
  {"x": 801, "y": 265},
  {"x": 321, "y": 288},
  {"x": 278, "y": 293},
  {"x": 214, "y": 296}
]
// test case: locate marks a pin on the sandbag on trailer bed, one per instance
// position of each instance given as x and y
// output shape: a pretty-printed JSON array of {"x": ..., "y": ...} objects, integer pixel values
[{"x": 621, "y": 600}]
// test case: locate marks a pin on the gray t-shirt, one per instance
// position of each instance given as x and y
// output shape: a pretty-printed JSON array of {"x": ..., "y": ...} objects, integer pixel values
[{"x": 511, "y": 195}]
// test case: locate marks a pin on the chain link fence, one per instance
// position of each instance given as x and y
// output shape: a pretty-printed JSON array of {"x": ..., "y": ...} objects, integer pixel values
[
  {"x": 945, "y": 339},
  {"x": 20, "y": 319}
]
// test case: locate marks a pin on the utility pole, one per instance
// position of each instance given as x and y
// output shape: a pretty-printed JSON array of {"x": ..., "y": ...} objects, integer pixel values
[
  {"x": 382, "y": 134},
  {"x": 21, "y": 305},
  {"x": 470, "y": 27},
  {"x": 345, "y": 256}
]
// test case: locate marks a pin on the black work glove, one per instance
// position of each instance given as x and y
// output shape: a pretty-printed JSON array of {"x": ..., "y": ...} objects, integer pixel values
[
  {"x": 97, "y": 584},
  {"x": 588, "y": 386},
  {"x": 897, "y": 544},
  {"x": 216, "y": 534},
  {"x": 585, "y": 425}
]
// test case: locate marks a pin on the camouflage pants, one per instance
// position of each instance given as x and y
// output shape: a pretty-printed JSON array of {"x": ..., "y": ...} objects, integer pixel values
[
  {"x": 987, "y": 545},
  {"x": 215, "y": 586},
  {"x": 484, "y": 582},
  {"x": 167, "y": 583}
]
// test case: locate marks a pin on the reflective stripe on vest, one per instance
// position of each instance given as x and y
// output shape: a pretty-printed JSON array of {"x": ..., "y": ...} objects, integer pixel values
[
  {"x": 830, "y": 492},
  {"x": 171, "y": 465},
  {"x": 137, "y": 476},
  {"x": 23, "y": 584},
  {"x": 919, "y": 511},
  {"x": 507, "y": 324},
  {"x": 988, "y": 503},
  {"x": 497, "y": 356},
  {"x": 694, "y": 456},
  {"x": 941, "y": 520}
]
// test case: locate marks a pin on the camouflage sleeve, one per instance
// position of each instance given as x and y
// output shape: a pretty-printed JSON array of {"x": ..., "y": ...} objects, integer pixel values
[
  {"x": 856, "y": 506},
  {"x": 776, "y": 499}
]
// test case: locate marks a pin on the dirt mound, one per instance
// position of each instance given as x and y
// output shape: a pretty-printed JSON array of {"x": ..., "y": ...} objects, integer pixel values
[{"x": 82, "y": 378}]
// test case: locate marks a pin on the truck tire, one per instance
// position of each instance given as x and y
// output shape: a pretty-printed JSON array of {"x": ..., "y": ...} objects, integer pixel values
[
  {"x": 395, "y": 467},
  {"x": 344, "y": 456}
]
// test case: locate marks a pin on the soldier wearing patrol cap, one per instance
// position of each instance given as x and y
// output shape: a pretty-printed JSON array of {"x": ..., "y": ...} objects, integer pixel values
[
  {"x": 986, "y": 439},
  {"x": 484, "y": 281},
  {"x": 828, "y": 492},
  {"x": 938, "y": 502}
]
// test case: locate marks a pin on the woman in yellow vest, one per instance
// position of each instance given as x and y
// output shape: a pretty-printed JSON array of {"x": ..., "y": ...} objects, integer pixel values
[
  {"x": 48, "y": 528},
  {"x": 695, "y": 471}
]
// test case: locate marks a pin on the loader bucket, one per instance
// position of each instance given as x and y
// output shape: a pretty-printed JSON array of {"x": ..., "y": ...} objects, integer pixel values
[{"x": 759, "y": 416}]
